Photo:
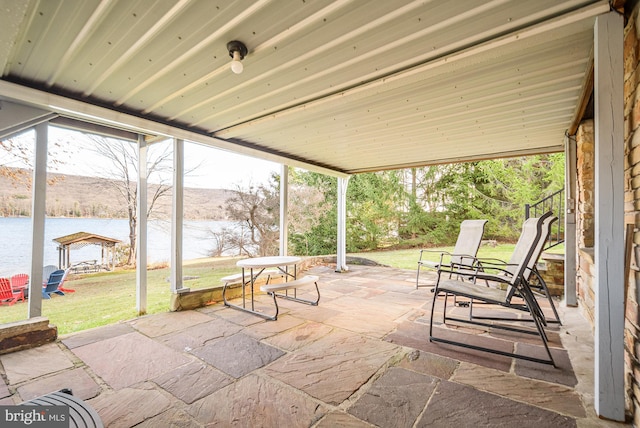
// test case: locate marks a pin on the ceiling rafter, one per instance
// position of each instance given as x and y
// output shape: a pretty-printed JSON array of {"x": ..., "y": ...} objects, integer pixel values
[
  {"x": 194, "y": 50},
  {"x": 80, "y": 40},
  {"x": 138, "y": 45},
  {"x": 336, "y": 86}
]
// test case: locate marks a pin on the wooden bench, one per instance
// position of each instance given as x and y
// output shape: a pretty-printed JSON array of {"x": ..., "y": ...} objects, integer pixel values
[{"x": 274, "y": 289}]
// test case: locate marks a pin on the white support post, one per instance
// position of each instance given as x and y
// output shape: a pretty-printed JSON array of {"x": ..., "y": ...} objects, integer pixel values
[
  {"x": 341, "y": 254},
  {"x": 570, "y": 247},
  {"x": 38, "y": 210},
  {"x": 141, "y": 232},
  {"x": 177, "y": 216},
  {"x": 284, "y": 208},
  {"x": 609, "y": 217}
]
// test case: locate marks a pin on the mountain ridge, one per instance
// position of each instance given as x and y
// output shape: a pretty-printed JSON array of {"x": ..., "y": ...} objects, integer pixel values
[{"x": 81, "y": 196}]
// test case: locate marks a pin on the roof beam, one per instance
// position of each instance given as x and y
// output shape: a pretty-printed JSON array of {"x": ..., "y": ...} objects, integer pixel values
[
  {"x": 585, "y": 95},
  {"x": 17, "y": 118},
  {"x": 83, "y": 111},
  {"x": 461, "y": 159},
  {"x": 94, "y": 128}
]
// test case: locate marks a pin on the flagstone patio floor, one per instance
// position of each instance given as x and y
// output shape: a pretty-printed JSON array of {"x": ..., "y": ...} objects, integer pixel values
[{"x": 361, "y": 358}]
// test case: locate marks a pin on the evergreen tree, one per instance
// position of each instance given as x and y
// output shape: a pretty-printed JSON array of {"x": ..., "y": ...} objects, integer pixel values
[{"x": 385, "y": 208}]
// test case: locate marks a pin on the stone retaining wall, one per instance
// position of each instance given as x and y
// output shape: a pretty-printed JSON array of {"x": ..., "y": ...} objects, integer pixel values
[
  {"x": 553, "y": 273},
  {"x": 29, "y": 333},
  {"x": 193, "y": 299}
]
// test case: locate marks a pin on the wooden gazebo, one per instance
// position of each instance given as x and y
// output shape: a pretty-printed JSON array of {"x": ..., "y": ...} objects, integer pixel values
[{"x": 82, "y": 239}]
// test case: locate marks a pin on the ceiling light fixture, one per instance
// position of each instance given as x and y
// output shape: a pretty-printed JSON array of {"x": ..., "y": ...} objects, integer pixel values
[{"x": 237, "y": 51}]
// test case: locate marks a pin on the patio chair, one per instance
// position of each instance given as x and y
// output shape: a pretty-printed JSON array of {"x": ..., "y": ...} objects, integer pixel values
[
  {"x": 20, "y": 281},
  {"x": 464, "y": 252},
  {"x": 7, "y": 295},
  {"x": 53, "y": 284},
  {"x": 47, "y": 271},
  {"x": 508, "y": 268},
  {"x": 532, "y": 231},
  {"x": 61, "y": 287}
]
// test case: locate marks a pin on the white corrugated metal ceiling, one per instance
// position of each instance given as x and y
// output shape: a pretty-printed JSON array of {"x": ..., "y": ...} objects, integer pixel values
[{"x": 340, "y": 85}]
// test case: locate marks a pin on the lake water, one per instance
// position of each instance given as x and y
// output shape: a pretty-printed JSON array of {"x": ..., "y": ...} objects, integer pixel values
[{"x": 15, "y": 240}]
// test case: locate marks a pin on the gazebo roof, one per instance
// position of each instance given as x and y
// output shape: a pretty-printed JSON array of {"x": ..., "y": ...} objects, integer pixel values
[{"x": 85, "y": 238}]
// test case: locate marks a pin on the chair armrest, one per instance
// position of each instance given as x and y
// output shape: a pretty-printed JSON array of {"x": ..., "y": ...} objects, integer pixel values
[
  {"x": 488, "y": 276},
  {"x": 467, "y": 262},
  {"x": 478, "y": 270},
  {"x": 440, "y": 252},
  {"x": 429, "y": 263},
  {"x": 425, "y": 250},
  {"x": 492, "y": 260},
  {"x": 496, "y": 265}
]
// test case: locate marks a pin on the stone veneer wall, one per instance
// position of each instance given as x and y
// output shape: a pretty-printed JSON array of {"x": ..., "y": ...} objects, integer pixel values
[
  {"x": 585, "y": 219},
  {"x": 585, "y": 189},
  {"x": 632, "y": 207}
]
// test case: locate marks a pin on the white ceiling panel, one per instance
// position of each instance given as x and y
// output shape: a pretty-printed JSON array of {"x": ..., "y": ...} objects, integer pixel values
[{"x": 342, "y": 85}]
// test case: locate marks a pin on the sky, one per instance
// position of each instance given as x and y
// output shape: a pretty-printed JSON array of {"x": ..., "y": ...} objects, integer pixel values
[{"x": 212, "y": 168}]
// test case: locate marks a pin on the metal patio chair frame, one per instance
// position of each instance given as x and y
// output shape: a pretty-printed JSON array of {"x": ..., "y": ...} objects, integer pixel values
[
  {"x": 503, "y": 268},
  {"x": 531, "y": 233},
  {"x": 464, "y": 251}
]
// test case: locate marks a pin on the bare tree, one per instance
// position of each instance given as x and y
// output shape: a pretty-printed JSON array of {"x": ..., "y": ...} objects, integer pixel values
[
  {"x": 223, "y": 241},
  {"x": 13, "y": 152},
  {"x": 122, "y": 176},
  {"x": 256, "y": 213},
  {"x": 16, "y": 158}
]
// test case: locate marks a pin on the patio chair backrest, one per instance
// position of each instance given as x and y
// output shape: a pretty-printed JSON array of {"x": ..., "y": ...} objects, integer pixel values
[
  {"x": 546, "y": 231},
  {"x": 468, "y": 241},
  {"x": 523, "y": 246},
  {"x": 64, "y": 277},
  {"x": 526, "y": 248},
  {"x": 47, "y": 271},
  {"x": 19, "y": 280},
  {"x": 5, "y": 289},
  {"x": 55, "y": 279}
]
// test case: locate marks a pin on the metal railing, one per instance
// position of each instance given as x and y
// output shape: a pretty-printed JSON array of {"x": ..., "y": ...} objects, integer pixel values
[{"x": 554, "y": 203}]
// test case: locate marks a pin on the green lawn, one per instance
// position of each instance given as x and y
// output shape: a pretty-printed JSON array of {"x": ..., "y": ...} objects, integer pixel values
[
  {"x": 408, "y": 259},
  {"x": 110, "y": 297}
]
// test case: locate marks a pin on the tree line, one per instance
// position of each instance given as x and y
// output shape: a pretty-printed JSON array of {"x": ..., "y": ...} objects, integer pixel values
[
  {"x": 417, "y": 207},
  {"x": 414, "y": 207}
]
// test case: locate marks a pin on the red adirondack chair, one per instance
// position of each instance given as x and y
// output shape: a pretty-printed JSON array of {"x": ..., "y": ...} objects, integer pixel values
[
  {"x": 20, "y": 281},
  {"x": 7, "y": 295}
]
